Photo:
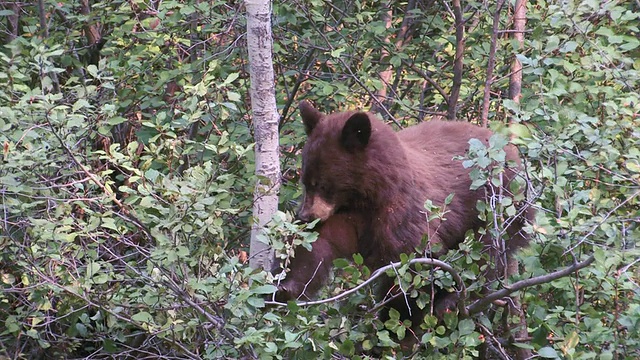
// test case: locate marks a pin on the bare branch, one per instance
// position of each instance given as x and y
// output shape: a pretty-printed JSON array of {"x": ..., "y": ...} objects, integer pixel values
[
  {"x": 604, "y": 218},
  {"x": 380, "y": 272},
  {"x": 428, "y": 79},
  {"x": 474, "y": 308},
  {"x": 302, "y": 76},
  {"x": 483, "y": 303},
  {"x": 402, "y": 291}
]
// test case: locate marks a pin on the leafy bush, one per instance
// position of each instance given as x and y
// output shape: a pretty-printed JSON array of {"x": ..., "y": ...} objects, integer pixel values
[{"x": 126, "y": 177}]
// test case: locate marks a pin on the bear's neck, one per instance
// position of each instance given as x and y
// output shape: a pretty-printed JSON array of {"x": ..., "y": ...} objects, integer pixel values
[
  {"x": 398, "y": 201},
  {"x": 390, "y": 181}
]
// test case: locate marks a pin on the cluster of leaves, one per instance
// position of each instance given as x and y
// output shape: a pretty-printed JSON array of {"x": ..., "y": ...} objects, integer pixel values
[
  {"x": 126, "y": 175},
  {"x": 585, "y": 106},
  {"x": 125, "y": 184}
]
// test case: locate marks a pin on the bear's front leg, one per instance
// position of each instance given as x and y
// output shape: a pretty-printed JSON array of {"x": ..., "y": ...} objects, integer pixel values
[{"x": 308, "y": 271}]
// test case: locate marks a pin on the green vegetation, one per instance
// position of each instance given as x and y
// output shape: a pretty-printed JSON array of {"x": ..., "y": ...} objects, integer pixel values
[{"x": 126, "y": 174}]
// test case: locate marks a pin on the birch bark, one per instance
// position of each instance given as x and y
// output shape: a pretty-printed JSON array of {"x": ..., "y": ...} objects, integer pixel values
[{"x": 265, "y": 123}]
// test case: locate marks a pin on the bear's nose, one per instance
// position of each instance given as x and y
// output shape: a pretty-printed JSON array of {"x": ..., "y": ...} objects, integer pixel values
[{"x": 302, "y": 216}]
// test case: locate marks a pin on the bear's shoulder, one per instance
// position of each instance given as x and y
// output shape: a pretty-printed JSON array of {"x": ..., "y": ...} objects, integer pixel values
[
  {"x": 443, "y": 130},
  {"x": 441, "y": 139}
]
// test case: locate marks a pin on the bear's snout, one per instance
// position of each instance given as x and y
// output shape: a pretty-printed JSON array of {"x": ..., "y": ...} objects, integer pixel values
[
  {"x": 302, "y": 216},
  {"x": 315, "y": 207}
]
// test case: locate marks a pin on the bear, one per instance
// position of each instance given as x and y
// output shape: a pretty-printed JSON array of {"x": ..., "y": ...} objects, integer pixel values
[
  {"x": 367, "y": 184},
  {"x": 337, "y": 238}
]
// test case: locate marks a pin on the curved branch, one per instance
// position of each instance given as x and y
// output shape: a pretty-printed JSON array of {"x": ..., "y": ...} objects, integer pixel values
[
  {"x": 477, "y": 306},
  {"x": 381, "y": 271},
  {"x": 481, "y": 304}
]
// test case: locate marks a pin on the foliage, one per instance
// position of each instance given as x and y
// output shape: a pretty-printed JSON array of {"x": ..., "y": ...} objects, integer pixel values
[{"x": 126, "y": 176}]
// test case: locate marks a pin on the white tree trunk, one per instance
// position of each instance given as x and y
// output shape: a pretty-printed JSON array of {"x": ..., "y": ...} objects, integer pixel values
[
  {"x": 519, "y": 27},
  {"x": 265, "y": 123}
]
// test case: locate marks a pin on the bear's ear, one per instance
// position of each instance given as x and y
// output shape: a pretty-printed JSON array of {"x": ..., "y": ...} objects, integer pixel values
[
  {"x": 310, "y": 116},
  {"x": 356, "y": 132}
]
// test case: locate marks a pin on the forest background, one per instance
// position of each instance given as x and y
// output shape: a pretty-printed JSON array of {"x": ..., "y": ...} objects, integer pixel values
[{"x": 127, "y": 172}]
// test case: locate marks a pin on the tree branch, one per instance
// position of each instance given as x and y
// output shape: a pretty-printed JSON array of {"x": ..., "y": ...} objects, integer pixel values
[
  {"x": 482, "y": 304},
  {"x": 302, "y": 76},
  {"x": 474, "y": 308},
  {"x": 110, "y": 194},
  {"x": 428, "y": 79},
  {"x": 381, "y": 271}
]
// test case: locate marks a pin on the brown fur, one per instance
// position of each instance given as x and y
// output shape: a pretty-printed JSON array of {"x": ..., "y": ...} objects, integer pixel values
[
  {"x": 338, "y": 238},
  {"x": 368, "y": 185}
]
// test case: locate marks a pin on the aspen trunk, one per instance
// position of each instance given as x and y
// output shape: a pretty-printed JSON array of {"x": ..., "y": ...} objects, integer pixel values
[{"x": 265, "y": 123}]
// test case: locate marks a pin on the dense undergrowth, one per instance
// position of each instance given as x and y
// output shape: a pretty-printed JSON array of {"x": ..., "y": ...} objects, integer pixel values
[{"x": 126, "y": 175}]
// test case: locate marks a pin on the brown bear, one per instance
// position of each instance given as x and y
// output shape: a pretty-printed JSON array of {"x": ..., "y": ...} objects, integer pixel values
[{"x": 368, "y": 185}]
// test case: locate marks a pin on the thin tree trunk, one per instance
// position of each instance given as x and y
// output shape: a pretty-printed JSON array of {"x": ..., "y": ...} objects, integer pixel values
[
  {"x": 12, "y": 21},
  {"x": 491, "y": 64},
  {"x": 402, "y": 38},
  {"x": 44, "y": 28},
  {"x": 519, "y": 23},
  {"x": 452, "y": 111},
  {"x": 385, "y": 76},
  {"x": 265, "y": 123},
  {"x": 515, "y": 94}
]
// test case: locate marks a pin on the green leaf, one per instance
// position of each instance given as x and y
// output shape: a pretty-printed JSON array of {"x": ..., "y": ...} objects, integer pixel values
[
  {"x": 81, "y": 329},
  {"x": 109, "y": 346},
  {"x": 632, "y": 165},
  {"x": 233, "y": 96},
  {"x": 143, "y": 317},
  {"x": 231, "y": 78},
  {"x": 92, "y": 269},
  {"x": 520, "y": 130},
  {"x": 449, "y": 199},
  {"x": 606, "y": 355},
  {"x": 264, "y": 289},
  {"x": 358, "y": 259},
  {"x": 466, "y": 327},
  {"x": 340, "y": 263},
  {"x": 347, "y": 347},
  {"x": 337, "y": 52},
  {"x": 548, "y": 353},
  {"x": 116, "y": 120},
  {"x": 498, "y": 141},
  {"x": 92, "y": 70}
]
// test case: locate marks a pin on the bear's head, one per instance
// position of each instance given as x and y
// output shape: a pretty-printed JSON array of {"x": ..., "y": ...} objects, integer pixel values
[{"x": 337, "y": 168}]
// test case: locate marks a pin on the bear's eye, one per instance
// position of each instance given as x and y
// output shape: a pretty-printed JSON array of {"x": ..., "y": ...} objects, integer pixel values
[{"x": 315, "y": 185}]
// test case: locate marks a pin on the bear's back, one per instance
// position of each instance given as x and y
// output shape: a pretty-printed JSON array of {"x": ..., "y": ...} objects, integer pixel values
[
  {"x": 433, "y": 149},
  {"x": 443, "y": 136}
]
